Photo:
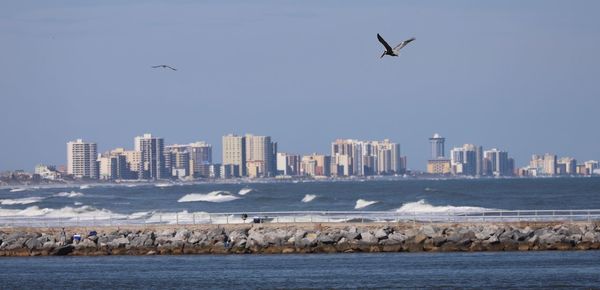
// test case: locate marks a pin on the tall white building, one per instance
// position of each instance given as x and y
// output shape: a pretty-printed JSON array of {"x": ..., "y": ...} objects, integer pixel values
[
  {"x": 234, "y": 155},
  {"x": 288, "y": 164},
  {"x": 437, "y": 146},
  {"x": 81, "y": 159},
  {"x": 153, "y": 159},
  {"x": 260, "y": 155},
  {"x": 354, "y": 157},
  {"x": 467, "y": 160}
]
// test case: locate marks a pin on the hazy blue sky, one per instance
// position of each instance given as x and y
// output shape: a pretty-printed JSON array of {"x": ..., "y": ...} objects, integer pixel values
[{"x": 522, "y": 76}]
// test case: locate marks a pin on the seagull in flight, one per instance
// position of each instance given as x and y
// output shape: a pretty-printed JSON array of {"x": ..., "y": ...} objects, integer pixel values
[
  {"x": 164, "y": 66},
  {"x": 392, "y": 51}
]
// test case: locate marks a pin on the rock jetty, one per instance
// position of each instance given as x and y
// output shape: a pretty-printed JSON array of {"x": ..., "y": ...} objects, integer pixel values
[{"x": 299, "y": 238}]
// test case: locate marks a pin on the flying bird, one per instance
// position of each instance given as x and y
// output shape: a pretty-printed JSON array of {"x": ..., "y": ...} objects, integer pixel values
[
  {"x": 392, "y": 51},
  {"x": 164, "y": 66}
]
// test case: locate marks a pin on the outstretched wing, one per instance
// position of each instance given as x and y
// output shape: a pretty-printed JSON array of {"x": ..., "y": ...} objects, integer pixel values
[
  {"x": 387, "y": 46},
  {"x": 403, "y": 44},
  {"x": 171, "y": 67},
  {"x": 156, "y": 66}
]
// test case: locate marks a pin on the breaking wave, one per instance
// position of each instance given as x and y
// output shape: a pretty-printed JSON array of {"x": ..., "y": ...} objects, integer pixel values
[
  {"x": 361, "y": 203},
  {"x": 86, "y": 186},
  {"x": 309, "y": 197},
  {"x": 69, "y": 194},
  {"x": 215, "y": 196},
  {"x": 67, "y": 211},
  {"x": 25, "y": 200},
  {"x": 422, "y": 206},
  {"x": 18, "y": 189},
  {"x": 245, "y": 191},
  {"x": 163, "y": 185}
]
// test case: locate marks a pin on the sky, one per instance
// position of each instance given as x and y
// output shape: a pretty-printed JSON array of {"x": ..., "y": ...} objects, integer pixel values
[{"x": 521, "y": 76}]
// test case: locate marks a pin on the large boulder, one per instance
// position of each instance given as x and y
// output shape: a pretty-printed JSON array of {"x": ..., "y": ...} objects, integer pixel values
[
  {"x": 118, "y": 243},
  {"x": 368, "y": 238},
  {"x": 381, "y": 234},
  {"x": 33, "y": 243}
]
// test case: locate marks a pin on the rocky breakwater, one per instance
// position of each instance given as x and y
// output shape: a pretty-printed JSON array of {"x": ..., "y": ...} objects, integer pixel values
[{"x": 300, "y": 238}]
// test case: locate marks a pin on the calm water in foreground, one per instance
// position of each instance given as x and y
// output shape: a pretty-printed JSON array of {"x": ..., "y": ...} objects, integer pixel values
[{"x": 409, "y": 270}]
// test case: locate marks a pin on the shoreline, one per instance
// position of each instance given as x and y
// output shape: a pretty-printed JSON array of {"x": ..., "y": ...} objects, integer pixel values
[{"x": 300, "y": 238}]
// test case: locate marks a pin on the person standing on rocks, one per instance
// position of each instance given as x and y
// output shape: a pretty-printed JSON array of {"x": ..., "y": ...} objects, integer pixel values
[{"x": 63, "y": 237}]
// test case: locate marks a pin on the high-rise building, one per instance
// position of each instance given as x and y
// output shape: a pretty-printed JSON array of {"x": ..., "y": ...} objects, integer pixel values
[
  {"x": 81, "y": 159},
  {"x": 354, "y": 157},
  {"x": 200, "y": 159},
  {"x": 497, "y": 163},
  {"x": 260, "y": 154},
  {"x": 437, "y": 146},
  {"x": 316, "y": 165},
  {"x": 438, "y": 164},
  {"x": 152, "y": 153},
  {"x": 113, "y": 166},
  {"x": 591, "y": 166},
  {"x": 567, "y": 166},
  {"x": 288, "y": 164},
  {"x": 550, "y": 162},
  {"x": 466, "y": 160},
  {"x": 133, "y": 160},
  {"x": 234, "y": 156}
]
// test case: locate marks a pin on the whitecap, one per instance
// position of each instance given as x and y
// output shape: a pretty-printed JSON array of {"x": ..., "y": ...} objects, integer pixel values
[
  {"x": 422, "y": 206},
  {"x": 77, "y": 203},
  {"x": 245, "y": 191},
  {"x": 161, "y": 185},
  {"x": 65, "y": 212},
  {"x": 309, "y": 197},
  {"x": 361, "y": 203},
  {"x": 86, "y": 186},
  {"x": 25, "y": 200},
  {"x": 215, "y": 196},
  {"x": 18, "y": 189},
  {"x": 69, "y": 194}
]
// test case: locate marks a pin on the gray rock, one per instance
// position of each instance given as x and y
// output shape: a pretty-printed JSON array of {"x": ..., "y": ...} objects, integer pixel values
[
  {"x": 381, "y": 234},
  {"x": 182, "y": 234},
  {"x": 325, "y": 239},
  {"x": 396, "y": 236},
  {"x": 86, "y": 244},
  {"x": 368, "y": 238},
  {"x": 167, "y": 233},
  {"x": 33, "y": 243},
  {"x": 120, "y": 242},
  {"x": 428, "y": 230}
]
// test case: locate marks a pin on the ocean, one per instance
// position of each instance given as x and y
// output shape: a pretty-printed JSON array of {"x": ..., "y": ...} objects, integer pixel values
[
  {"x": 393, "y": 195},
  {"x": 502, "y": 270},
  {"x": 365, "y": 270}
]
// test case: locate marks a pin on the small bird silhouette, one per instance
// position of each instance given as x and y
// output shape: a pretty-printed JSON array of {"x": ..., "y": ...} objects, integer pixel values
[
  {"x": 164, "y": 66},
  {"x": 392, "y": 51}
]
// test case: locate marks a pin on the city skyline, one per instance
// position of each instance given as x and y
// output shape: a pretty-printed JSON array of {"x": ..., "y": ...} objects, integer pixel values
[
  {"x": 437, "y": 148},
  {"x": 257, "y": 156},
  {"x": 492, "y": 74}
]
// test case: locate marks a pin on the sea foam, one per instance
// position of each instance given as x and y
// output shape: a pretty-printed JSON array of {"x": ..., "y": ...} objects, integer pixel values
[
  {"x": 215, "y": 196},
  {"x": 422, "y": 206},
  {"x": 245, "y": 191},
  {"x": 18, "y": 189},
  {"x": 67, "y": 211},
  {"x": 361, "y": 203},
  {"x": 309, "y": 197},
  {"x": 69, "y": 194},
  {"x": 25, "y": 200}
]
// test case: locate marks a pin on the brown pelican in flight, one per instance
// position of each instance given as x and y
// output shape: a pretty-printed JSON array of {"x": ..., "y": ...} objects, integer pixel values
[
  {"x": 164, "y": 66},
  {"x": 392, "y": 51}
]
